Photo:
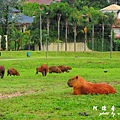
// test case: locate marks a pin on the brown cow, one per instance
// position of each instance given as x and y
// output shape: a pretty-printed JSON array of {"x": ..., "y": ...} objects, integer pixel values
[
  {"x": 64, "y": 68},
  {"x": 2, "y": 71},
  {"x": 12, "y": 71},
  {"x": 43, "y": 69},
  {"x": 38, "y": 69},
  {"x": 54, "y": 69},
  {"x": 81, "y": 86}
]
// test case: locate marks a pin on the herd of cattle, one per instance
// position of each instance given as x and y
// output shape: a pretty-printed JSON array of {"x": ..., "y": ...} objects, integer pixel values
[
  {"x": 44, "y": 69},
  {"x": 80, "y": 86}
]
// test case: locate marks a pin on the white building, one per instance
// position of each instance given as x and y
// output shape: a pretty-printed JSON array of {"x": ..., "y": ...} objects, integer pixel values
[{"x": 116, "y": 10}]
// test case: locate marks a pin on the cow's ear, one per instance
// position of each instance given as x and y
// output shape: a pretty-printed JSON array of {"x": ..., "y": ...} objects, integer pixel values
[{"x": 76, "y": 77}]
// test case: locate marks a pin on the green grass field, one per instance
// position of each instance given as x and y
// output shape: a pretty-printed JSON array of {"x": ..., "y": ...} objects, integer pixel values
[{"x": 31, "y": 96}]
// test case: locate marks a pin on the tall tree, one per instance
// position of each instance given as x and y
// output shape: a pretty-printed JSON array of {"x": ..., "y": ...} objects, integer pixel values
[
  {"x": 48, "y": 14},
  {"x": 65, "y": 16},
  {"x": 93, "y": 16},
  {"x": 30, "y": 8},
  {"x": 58, "y": 8},
  {"x": 75, "y": 19},
  {"x": 86, "y": 22},
  {"x": 103, "y": 19},
  {"x": 111, "y": 21},
  {"x": 33, "y": 9},
  {"x": 6, "y": 9}
]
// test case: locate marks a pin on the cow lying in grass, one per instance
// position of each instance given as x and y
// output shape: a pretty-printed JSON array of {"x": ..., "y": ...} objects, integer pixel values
[
  {"x": 80, "y": 86},
  {"x": 64, "y": 68},
  {"x": 2, "y": 71},
  {"x": 54, "y": 69},
  {"x": 12, "y": 71}
]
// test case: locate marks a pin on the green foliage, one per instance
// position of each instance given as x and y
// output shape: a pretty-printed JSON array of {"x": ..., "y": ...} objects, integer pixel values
[
  {"x": 86, "y": 17},
  {"x": 78, "y": 15},
  {"x": 2, "y": 39},
  {"x": 79, "y": 4},
  {"x": 98, "y": 45},
  {"x": 117, "y": 45},
  {"x": 30, "y": 9},
  {"x": 35, "y": 35},
  {"x": 5, "y": 10},
  {"x": 18, "y": 39}
]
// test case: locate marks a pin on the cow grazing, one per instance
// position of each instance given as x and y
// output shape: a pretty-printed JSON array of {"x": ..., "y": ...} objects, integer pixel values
[
  {"x": 2, "y": 71},
  {"x": 38, "y": 69},
  {"x": 43, "y": 69},
  {"x": 12, "y": 71}
]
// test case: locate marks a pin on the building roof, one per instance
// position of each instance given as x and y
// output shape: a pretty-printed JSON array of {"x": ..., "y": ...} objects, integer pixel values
[
  {"x": 14, "y": 10},
  {"x": 25, "y": 19},
  {"x": 112, "y": 7},
  {"x": 46, "y": 2},
  {"x": 21, "y": 19}
]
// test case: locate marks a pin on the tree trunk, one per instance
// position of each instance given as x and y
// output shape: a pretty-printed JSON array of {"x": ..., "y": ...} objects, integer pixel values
[
  {"x": 48, "y": 26},
  {"x": 93, "y": 37},
  {"x": 40, "y": 32},
  {"x": 111, "y": 45},
  {"x": 102, "y": 37},
  {"x": 85, "y": 41},
  {"x": 59, "y": 17},
  {"x": 66, "y": 31},
  {"x": 75, "y": 34},
  {"x": 6, "y": 27}
]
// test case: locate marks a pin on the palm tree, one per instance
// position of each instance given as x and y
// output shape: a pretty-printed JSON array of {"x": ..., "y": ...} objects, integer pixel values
[
  {"x": 111, "y": 20},
  {"x": 93, "y": 19},
  {"x": 48, "y": 13},
  {"x": 103, "y": 20},
  {"x": 58, "y": 8},
  {"x": 86, "y": 19},
  {"x": 75, "y": 20},
  {"x": 65, "y": 15}
]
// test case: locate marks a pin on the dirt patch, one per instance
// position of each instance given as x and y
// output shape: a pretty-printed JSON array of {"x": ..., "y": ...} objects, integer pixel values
[{"x": 16, "y": 94}]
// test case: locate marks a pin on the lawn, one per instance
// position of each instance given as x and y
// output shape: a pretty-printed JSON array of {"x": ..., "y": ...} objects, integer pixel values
[{"x": 31, "y": 96}]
